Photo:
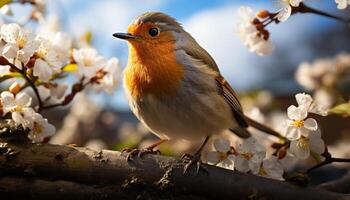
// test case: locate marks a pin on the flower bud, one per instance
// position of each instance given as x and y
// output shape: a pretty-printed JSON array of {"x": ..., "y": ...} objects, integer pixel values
[
  {"x": 281, "y": 153},
  {"x": 263, "y": 14},
  {"x": 15, "y": 88}
]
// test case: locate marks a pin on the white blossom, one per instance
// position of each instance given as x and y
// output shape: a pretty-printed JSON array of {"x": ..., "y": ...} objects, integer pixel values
[
  {"x": 19, "y": 107},
  {"x": 47, "y": 60},
  {"x": 305, "y": 100},
  {"x": 111, "y": 73},
  {"x": 286, "y": 9},
  {"x": 220, "y": 156},
  {"x": 342, "y": 4},
  {"x": 52, "y": 92},
  {"x": 88, "y": 61},
  {"x": 270, "y": 168},
  {"x": 297, "y": 124},
  {"x": 249, "y": 155},
  {"x": 40, "y": 128},
  {"x": 302, "y": 147},
  {"x": 20, "y": 43},
  {"x": 249, "y": 34}
]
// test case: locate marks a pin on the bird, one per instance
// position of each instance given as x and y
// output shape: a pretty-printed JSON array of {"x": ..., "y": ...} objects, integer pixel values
[{"x": 175, "y": 88}]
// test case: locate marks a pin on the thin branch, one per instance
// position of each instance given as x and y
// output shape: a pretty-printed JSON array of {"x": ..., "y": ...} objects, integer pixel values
[
  {"x": 302, "y": 8},
  {"x": 4, "y": 61},
  {"x": 328, "y": 160}
]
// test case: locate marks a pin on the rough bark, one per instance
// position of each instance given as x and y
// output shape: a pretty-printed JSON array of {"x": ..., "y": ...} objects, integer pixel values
[{"x": 37, "y": 171}]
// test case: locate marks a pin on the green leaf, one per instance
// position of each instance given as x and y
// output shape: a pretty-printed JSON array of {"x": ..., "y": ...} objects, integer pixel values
[
  {"x": 4, "y": 2},
  {"x": 341, "y": 109},
  {"x": 70, "y": 68}
]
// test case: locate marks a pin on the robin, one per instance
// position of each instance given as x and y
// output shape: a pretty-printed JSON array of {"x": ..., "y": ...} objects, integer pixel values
[{"x": 175, "y": 88}]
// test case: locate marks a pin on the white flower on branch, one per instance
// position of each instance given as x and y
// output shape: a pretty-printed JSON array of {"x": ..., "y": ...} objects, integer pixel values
[
  {"x": 342, "y": 4},
  {"x": 220, "y": 156},
  {"x": 302, "y": 147},
  {"x": 88, "y": 61},
  {"x": 249, "y": 155},
  {"x": 47, "y": 60},
  {"x": 40, "y": 128},
  {"x": 53, "y": 92},
  {"x": 18, "y": 106},
  {"x": 256, "y": 41},
  {"x": 20, "y": 43},
  {"x": 306, "y": 101},
  {"x": 286, "y": 9},
  {"x": 110, "y": 76},
  {"x": 270, "y": 168},
  {"x": 297, "y": 124}
]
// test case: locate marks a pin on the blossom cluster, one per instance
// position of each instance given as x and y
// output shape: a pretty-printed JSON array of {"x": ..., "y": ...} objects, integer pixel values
[
  {"x": 323, "y": 77},
  {"x": 251, "y": 28},
  {"x": 303, "y": 132},
  {"x": 19, "y": 105},
  {"x": 43, "y": 60},
  {"x": 251, "y": 31},
  {"x": 248, "y": 156},
  {"x": 302, "y": 140}
]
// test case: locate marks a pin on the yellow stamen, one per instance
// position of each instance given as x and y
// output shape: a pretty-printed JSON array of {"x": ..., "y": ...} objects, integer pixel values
[
  {"x": 88, "y": 62},
  {"x": 298, "y": 123},
  {"x": 42, "y": 52},
  {"x": 262, "y": 171},
  {"x": 21, "y": 42},
  {"x": 303, "y": 143},
  {"x": 37, "y": 128},
  {"x": 247, "y": 155}
]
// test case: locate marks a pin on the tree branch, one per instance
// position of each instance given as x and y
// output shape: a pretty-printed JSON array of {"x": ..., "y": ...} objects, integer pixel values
[
  {"x": 341, "y": 185},
  {"x": 159, "y": 176}
]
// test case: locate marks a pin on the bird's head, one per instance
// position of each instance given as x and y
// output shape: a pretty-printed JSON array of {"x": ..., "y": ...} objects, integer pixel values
[{"x": 153, "y": 32}]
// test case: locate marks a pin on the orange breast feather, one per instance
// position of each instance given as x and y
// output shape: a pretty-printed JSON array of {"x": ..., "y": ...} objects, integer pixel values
[{"x": 152, "y": 69}]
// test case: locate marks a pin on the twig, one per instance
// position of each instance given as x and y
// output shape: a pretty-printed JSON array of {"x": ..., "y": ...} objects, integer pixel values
[
  {"x": 328, "y": 160},
  {"x": 302, "y": 8},
  {"x": 4, "y": 61}
]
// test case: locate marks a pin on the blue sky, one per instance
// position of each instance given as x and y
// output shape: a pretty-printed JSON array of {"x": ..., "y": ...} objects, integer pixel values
[{"x": 210, "y": 22}]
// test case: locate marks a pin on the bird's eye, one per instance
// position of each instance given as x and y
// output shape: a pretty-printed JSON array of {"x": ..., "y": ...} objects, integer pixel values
[{"x": 153, "y": 32}]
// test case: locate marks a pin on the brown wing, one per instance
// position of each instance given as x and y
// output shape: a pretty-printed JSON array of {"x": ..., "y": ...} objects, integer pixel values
[{"x": 232, "y": 99}]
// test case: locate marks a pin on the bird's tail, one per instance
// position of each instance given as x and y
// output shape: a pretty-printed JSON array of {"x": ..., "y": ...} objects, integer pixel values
[{"x": 262, "y": 127}]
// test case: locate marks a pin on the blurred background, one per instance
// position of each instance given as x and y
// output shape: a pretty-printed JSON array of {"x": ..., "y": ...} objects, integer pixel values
[{"x": 265, "y": 84}]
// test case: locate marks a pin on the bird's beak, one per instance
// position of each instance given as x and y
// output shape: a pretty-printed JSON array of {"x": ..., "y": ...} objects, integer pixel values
[{"x": 124, "y": 36}]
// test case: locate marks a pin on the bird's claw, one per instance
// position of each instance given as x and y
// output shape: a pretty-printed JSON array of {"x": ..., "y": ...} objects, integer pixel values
[
  {"x": 191, "y": 161},
  {"x": 131, "y": 153}
]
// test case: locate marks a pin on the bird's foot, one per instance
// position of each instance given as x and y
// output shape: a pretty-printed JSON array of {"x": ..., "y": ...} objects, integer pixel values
[
  {"x": 192, "y": 161},
  {"x": 131, "y": 153}
]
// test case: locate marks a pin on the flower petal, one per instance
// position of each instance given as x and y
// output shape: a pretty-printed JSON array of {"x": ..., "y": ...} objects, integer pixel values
[
  {"x": 241, "y": 164},
  {"x": 213, "y": 157},
  {"x": 284, "y": 13},
  {"x": 297, "y": 113},
  {"x": 292, "y": 133},
  {"x": 7, "y": 101},
  {"x": 222, "y": 145},
  {"x": 42, "y": 70},
  {"x": 299, "y": 150},
  {"x": 316, "y": 143},
  {"x": 23, "y": 99},
  {"x": 311, "y": 124},
  {"x": 304, "y": 99}
]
